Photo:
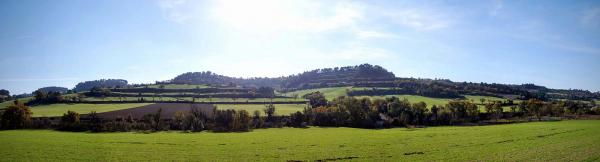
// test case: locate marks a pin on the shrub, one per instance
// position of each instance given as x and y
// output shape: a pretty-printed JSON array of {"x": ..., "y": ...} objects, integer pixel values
[
  {"x": 70, "y": 122},
  {"x": 257, "y": 121},
  {"x": 231, "y": 121},
  {"x": 16, "y": 116},
  {"x": 298, "y": 120},
  {"x": 95, "y": 123},
  {"x": 194, "y": 121}
]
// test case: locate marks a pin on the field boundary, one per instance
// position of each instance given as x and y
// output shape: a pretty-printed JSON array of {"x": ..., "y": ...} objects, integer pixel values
[{"x": 189, "y": 102}]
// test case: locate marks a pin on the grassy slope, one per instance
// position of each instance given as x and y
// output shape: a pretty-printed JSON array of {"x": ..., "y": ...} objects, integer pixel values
[
  {"x": 60, "y": 109},
  {"x": 539, "y": 141},
  {"x": 331, "y": 93},
  {"x": 190, "y": 99},
  {"x": 280, "y": 109},
  {"x": 178, "y": 86},
  {"x": 8, "y": 103}
]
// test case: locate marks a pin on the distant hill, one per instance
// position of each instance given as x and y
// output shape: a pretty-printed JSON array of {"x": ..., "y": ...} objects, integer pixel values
[
  {"x": 102, "y": 83},
  {"x": 366, "y": 75},
  {"x": 54, "y": 89},
  {"x": 310, "y": 79}
]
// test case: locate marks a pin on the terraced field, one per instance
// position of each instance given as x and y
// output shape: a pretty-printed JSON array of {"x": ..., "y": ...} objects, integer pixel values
[
  {"x": 60, "y": 109},
  {"x": 158, "y": 99},
  {"x": 536, "y": 141},
  {"x": 8, "y": 103},
  {"x": 280, "y": 109},
  {"x": 178, "y": 86},
  {"x": 331, "y": 93}
]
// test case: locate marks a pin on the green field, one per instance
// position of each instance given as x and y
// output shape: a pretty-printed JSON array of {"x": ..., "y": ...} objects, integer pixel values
[
  {"x": 157, "y": 99},
  {"x": 477, "y": 99},
  {"x": 333, "y": 92},
  {"x": 177, "y": 86},
  {"x": 414, "y": 99},
  {"x": 536, "y": 141},
  {"x": 11, "y": 102},
  {"x": 60, "y": 109},
  {"x": 329, "y": 93},
  {"x": 280, "y": 109}
]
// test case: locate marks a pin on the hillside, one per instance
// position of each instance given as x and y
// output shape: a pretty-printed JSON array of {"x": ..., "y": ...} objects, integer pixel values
[{"x": 386, "y": 83}]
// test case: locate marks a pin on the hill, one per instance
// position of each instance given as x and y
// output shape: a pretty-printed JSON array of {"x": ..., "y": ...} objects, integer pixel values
[
  {"x": 102, "y": 83},
  {"x": 385, "y": 82},
  {"x": 54, "y": 89}
]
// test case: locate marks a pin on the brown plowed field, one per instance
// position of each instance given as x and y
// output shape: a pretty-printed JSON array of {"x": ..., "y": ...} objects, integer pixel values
[{"x": 168, "y": 110}]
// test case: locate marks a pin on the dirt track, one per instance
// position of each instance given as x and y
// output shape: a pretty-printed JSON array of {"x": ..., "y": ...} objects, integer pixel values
[{"x": 168, "y": 110}]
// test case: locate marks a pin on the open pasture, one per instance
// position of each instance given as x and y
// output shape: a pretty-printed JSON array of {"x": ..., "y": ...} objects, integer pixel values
[
  {"x": 168, "y": 110},
  {"x": 177, "y": 86},
  {"x": 59, "y": 109},
  {"x": 280, "y": 109},
  {"x": 537, "y": 141}
]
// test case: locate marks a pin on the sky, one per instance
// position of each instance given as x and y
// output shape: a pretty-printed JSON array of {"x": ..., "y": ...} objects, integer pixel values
[{"x": 63, "y": 42}]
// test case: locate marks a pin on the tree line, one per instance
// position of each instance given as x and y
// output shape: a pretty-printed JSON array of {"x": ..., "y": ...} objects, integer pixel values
[{"x": 341, "y": 112}]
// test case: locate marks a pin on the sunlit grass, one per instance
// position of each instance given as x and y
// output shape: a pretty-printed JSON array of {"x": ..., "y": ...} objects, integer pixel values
[{"x": 537, "y": 141}]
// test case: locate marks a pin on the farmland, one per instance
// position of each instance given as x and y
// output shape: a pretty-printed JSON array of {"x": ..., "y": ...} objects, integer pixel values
[
  {"x": 60, "y": 109},
  {"x": 280, "y": 109},
  {"x": 542, "y": 141},
  {"x": 333, "y": 92},
  {"x": 178, "y": 86}
]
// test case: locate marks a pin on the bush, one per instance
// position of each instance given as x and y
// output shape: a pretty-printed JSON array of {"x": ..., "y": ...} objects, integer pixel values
[
  {"x": 298, "y": 120},
  {"x": 16, "y": 116},
  {"x": 231, "y": 121},
  {"x": 194, "y": 121},
  {"x": 95, "y": 124},
  {"x": 70, "y": 122}
]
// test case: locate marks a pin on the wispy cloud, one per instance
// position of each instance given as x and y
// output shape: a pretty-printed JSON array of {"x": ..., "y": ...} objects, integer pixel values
[
  {"x": 535, "y": 31},
  {"x": 271, "y": 15},
  {"x": 173, "y": 10},
  {"x": 366, "y": 34},
  {"x": 36, "y": 79},
  {"x": 495, "y": 8},
  {"x": 357, "y": 51},
  {"x": 420, "y": 19},
  {"x": 590, "y": 18}
]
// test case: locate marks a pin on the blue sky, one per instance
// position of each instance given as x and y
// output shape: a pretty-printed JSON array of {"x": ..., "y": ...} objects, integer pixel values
[{"x": 61, "y": 43}]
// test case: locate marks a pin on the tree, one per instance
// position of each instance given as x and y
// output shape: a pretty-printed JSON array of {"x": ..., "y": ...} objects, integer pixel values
[
  {"x": 298, "y": 120},
  {"x": 434, "y": 112},
  {"x": 70, "y": 121},
  {"x": 256, "y": 120},
  {"x": 534, "y": 106},
  {"x": 420, "y": 111},
  {"x": 40, "y": 95},
  {"x": 269, "y": 111},
  {"x": 95, "y": 122},
  {"x": 16, "y": 116},
  {"x": 4, "y": 92},
  {"x": 316, "y": 99},
  {"x": 156, "y": 119}
]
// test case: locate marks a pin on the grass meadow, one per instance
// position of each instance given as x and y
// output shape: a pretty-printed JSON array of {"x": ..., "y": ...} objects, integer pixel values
[
  {"x": 535, "y": 141},
  {"x": 280, "y": 109},
  {"x": 59, "y": 109}
]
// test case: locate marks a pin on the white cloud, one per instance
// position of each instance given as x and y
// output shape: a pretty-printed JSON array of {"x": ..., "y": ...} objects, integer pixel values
[
  {"x": 497, "y": 5},
  {"x": 359, "y": 52},
  {"x": 175, "y": 10},
  {"x": 366, "y": 34},
  {"x": 591, "y": 18},
  {"x": 36, "y": 79},
  {"x": 420, "y": 19},
  {"x": 275, "y": 15}
]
